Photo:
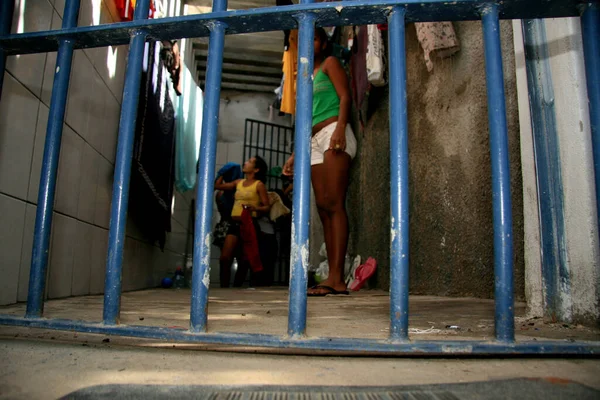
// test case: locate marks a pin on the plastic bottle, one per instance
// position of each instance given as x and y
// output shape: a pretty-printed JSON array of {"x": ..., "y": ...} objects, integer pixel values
[{"x": 179, "y": 279}]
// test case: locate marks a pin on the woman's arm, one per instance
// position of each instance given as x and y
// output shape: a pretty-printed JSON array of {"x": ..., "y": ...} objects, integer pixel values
[
  {"x": 334, "y": 70},
  {"x": 220, "y": 185}
]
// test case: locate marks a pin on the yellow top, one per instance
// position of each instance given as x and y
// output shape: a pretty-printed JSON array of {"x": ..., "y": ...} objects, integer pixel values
[{"x": 245, "y": 195}]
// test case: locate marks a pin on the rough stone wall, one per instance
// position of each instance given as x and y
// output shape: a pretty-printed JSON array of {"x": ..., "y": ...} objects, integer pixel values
[{"x": 451, "y": 230}]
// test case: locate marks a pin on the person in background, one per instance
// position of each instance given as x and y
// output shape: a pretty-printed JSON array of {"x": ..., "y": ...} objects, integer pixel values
[{"x": 250, "y": 194}]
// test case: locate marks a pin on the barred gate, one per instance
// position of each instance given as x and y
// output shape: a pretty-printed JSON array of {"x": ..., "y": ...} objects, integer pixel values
[{"x": 303, "y": 16}]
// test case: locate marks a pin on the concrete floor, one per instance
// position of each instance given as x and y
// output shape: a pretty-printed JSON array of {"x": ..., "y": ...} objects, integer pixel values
[
  {"x": 363, "y": 314},
  {"x": 45, "y": 364}
]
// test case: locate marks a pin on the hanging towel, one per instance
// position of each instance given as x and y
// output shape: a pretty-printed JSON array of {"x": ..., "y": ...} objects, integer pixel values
[
  {"x": 290, "y": 67},
  {"x": 437, "y": 39},
  {"x": 188, "y": 128}
]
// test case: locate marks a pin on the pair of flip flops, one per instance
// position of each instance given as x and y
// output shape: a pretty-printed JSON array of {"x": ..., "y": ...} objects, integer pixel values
[{"x": 361, "y": 275}]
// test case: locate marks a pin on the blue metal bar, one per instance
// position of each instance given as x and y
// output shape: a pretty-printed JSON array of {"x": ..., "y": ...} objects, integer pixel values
[
  {"x": 206, "y": 175},
  {"x": 120, "y": 195},
  {"x": 547, "y": 167},
  {"x": 501, "y": 201},
  {"x": 360, "y": 12},
  {"x": 43, "y": 219},
  {"x": 6, "y": 13},
  {"x": 301, "y": 209},
  {"x": 454, "y": 348},
  {"x": 399, "y": 255},
  {"x": 590, "y": 25}
]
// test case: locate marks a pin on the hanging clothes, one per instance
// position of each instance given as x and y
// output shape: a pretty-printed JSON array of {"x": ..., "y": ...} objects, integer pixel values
[
  {"x": 188, "y": 128},
  {"x": 250, "y": 241},
  {"x": 152, "y": 170},
  {"x": 290, "y": 71},
  {"x": 278, "y": 209},
  {"x": 126, "y": 8},
  {"x": 358, "y": 66},
  {"x": 437, "y": 39}
]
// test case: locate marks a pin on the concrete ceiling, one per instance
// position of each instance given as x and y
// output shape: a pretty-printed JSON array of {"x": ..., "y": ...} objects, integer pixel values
[{"x": 251, "y": 62}]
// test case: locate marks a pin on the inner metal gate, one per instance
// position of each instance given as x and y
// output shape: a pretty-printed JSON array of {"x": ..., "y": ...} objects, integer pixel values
[{"x": 303, "y": 16}]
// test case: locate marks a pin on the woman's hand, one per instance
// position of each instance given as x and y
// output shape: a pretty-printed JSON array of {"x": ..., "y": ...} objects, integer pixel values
[
  {"x": 249, "y": 207},
  {"x": 288, "y": 168},
  {"x": 338, "y": 139}
]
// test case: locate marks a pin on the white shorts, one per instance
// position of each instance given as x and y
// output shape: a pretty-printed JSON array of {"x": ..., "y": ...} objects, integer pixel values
[{"x": 320, "y": 143}]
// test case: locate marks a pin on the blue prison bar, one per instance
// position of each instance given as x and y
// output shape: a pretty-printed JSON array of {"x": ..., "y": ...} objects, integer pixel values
[{"x": 304, "y": 16}]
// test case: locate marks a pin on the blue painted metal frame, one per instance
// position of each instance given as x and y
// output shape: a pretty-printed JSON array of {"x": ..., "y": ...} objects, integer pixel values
[
  {"x": 6, "y": 13},
  {"x": 306, "y": 16},
  {"x": 590, "y": 24},
  {"x": 206, "y": 175},
  {"x": 120, "y": 194},
  {"x": 279, "y": 18},
  {"x": 547, "y": 163},
  {"x": 416, "y": 348},
  {"x": 56, "y": 116},
  {"x": 501, "y": 201},
  {"x": 399, "y": 255},
  {"x": 301, "y": 210}
]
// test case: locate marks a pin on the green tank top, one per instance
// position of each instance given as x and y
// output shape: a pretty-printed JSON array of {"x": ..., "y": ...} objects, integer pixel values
[{"x": 326, "y": 103}]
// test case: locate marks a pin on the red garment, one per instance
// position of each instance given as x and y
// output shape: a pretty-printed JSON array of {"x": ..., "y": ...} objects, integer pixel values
[{"x": 250, "y": 242}]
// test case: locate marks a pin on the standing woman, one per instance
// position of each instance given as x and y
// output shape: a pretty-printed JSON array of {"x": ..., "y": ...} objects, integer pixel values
[
  {"x": 333, "y": 146},
  {"x": 251, "y": 194}
]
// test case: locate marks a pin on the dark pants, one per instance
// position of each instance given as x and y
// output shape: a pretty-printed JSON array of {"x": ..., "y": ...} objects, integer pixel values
[{"x": 268, "y": 256}]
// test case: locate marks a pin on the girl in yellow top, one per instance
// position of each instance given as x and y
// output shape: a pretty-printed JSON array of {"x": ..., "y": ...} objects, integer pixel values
[{"x": 251, "y": 194}]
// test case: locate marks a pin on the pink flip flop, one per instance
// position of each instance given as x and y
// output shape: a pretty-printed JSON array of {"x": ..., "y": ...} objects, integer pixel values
[{"x": 363, "y": 273}]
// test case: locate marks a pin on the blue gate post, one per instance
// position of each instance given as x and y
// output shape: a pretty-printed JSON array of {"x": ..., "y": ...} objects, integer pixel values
[
  {"x": 43, "y": 218},
  {"x": 501, "y": 201},
  {"x": 120, "y": 195},
  {"x": 206, "y": 175},
  {"x": 6, "y": 13},
  {"x": 301, "y": 210},
  {"x": 590, "y": 26},
  {"x": 399, "y": 257}
]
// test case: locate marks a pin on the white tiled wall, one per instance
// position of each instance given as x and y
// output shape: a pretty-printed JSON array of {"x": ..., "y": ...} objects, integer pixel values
[{"x": 86, "y": 166}]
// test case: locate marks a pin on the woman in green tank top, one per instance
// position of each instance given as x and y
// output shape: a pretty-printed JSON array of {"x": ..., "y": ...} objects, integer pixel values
[{"x": 333, "y": 147}]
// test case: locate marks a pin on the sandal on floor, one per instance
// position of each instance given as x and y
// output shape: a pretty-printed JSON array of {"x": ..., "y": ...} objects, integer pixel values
[{"x": 329, "y": 289}]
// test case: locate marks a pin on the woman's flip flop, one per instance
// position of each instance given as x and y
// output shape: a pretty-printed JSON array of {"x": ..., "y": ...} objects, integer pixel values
[{"x": 329, "y": 289}]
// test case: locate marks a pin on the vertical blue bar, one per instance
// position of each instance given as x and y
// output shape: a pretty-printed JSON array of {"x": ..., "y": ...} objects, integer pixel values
[
  {"x": 206, "y": 175},
  {"x": 501, "y": 201},
  {"x": 555, "y": 272},
  {"x": 301, "y": 209},
  {"x": 399, "y": 256},
  {"x": 6, "y": 13},
  {"x": 43, "y": 219},
  {"x": 590, "y": 25},
  {"x": 120, "y": 195}
]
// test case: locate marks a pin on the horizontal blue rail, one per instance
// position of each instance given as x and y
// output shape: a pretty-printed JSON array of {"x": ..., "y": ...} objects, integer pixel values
[
  {"x": 441, "y": 347},
  {"x": 281, "y": 18}
]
